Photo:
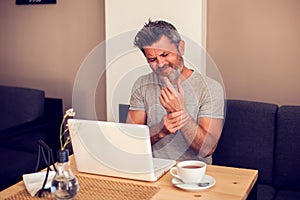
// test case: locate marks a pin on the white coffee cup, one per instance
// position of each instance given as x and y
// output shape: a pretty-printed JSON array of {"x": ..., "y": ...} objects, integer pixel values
[{"x": 189, "y": 171}]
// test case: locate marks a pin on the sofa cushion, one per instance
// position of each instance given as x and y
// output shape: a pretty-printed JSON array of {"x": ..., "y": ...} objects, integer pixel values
[
  {"x": 287, "y": 151},
  {"x": 247, "y": 138},
  {"x": 123, "y": 111},
  {"x": 25, "y": 137},
  {"x": 265, "y": 192},
  {"x": 20, "y": 105},
  {"x": 287, "y": 195},
  {"x": 14, "y": 164}
]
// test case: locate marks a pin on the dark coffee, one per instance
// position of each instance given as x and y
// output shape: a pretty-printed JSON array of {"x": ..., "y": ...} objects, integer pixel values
[{"x": 192, "y": 167}]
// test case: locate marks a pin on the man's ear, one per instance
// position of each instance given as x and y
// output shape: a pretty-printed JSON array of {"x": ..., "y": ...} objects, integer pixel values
[{"x": 181, "y": 47}]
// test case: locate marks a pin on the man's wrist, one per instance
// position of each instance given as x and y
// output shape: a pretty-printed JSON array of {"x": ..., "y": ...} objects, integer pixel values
[{"x": 155, "y": 138}]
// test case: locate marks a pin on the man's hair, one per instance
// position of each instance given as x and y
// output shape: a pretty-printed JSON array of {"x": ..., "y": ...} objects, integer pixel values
[{"x": 153, "y": 31}]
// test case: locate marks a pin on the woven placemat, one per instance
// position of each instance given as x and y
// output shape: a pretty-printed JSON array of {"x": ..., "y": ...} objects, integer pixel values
[{"x": 97, "y": 188}]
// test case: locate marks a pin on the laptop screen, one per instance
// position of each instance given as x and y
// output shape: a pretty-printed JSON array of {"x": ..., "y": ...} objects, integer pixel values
[{"x": 122, "y": 147}]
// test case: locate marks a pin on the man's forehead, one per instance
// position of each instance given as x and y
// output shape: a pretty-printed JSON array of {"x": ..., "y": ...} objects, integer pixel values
[
  {"x": 158, "y": 51},
  {"x": 164, "y": 43}
]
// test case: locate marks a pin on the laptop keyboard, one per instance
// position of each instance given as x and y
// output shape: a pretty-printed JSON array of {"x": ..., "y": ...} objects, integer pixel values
[{"x": 162, "y": 165}]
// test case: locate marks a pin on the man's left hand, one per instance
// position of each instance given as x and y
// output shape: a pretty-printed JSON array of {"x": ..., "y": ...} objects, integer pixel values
[{"x": 171, "y": 99}]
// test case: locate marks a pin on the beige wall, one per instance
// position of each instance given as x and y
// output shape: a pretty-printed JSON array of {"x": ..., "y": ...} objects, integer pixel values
[
  {"x": 255, "y": 44},
  {"x": 42, "y": 46}
]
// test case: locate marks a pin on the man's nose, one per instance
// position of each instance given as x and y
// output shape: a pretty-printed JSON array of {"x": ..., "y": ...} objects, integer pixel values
[{"x": 160, "y": 61}]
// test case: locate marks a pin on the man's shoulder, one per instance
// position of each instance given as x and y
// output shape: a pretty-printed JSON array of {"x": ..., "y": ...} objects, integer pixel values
[
  {"x": 197, "y": 78},
  {"x": 150, "y": 77},
  {"x": 145, "y": 81},
  {"x": 203, "y": 78},
  {"x": 203, "y": 82}
]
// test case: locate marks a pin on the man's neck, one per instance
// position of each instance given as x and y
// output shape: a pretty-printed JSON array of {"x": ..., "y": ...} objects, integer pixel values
[{"x": 186, "y": 72}]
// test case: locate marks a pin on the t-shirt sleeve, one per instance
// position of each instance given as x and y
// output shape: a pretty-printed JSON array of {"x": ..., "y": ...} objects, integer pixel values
[
  {"x": 213, "y": 103},
  {"x": 136, "y": 98}
]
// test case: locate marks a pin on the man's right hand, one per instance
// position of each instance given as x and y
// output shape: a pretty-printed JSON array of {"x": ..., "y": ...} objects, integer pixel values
[{"x": 170, "y": 123}]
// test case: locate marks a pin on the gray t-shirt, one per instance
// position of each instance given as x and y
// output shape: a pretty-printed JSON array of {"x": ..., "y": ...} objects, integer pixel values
[{"x": 203, "y": 98}]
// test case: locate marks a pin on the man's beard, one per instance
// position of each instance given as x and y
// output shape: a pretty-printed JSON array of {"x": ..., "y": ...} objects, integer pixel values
[
  {"x": 175, "y": 74},
  {"x": 176, "y": 71}
]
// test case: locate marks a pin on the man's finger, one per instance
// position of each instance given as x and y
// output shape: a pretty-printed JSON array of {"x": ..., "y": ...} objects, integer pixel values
[
  {"x": 180, "y": 89},
  {"x": 175, "y": 114},
  {"x": 170, "y": 86}
]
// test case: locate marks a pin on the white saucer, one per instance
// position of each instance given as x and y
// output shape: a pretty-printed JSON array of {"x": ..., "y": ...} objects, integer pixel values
[{"x": 194, "y": 187}]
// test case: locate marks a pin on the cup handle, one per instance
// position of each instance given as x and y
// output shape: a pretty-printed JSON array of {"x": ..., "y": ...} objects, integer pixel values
[{"x": 173, "y": 172}]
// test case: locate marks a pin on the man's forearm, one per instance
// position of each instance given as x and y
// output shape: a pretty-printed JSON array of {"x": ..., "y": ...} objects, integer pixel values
[
  {"x": 157, "y": 132},
  {"x": 193, "y": 134},
  {"x": 202, "y": 140},
  {"x": 155, "y": 138}
]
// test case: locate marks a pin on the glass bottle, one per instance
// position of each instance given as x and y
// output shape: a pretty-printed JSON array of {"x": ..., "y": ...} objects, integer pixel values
[{"x": 64, "y": 184}]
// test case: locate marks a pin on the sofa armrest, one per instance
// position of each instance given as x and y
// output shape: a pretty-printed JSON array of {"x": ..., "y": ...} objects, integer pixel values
[
  {"x": 287, "y": 149},
  {"x": 248, "y": 137},
  {"x": 20, "y": 105},
  {"x": 21, "y": 129},
  {"x": 53, "y": 108},
  {"x": 25, "y": 137}
]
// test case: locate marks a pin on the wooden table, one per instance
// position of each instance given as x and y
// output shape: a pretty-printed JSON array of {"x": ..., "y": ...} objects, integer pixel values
[{"x": 231, "y": 183}]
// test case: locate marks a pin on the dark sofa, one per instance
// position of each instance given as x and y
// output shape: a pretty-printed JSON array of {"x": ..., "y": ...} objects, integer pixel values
[
  {"x": 265, "y": 137},
  {"x": 262, "y": 136},
  {"x": 26, "y": 116}
]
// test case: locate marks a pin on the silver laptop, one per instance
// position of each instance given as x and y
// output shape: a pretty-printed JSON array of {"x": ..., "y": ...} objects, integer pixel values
[{"x": 115, "y": 149}]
